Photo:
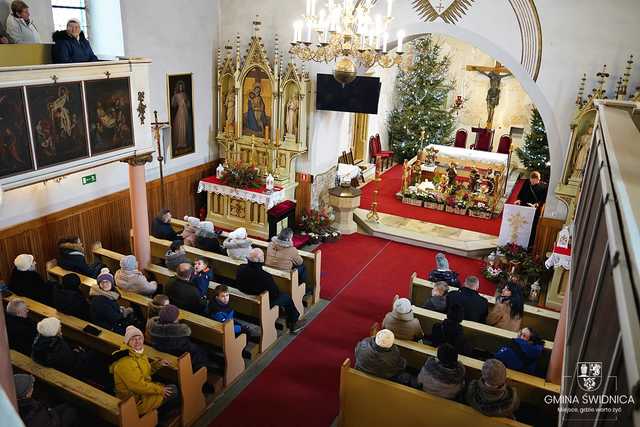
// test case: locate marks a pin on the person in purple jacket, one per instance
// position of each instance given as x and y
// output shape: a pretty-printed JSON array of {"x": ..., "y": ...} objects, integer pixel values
[{"x": 71, "y": 45}]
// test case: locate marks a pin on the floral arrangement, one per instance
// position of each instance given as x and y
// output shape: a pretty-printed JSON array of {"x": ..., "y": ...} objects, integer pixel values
[
  {"x": 433, "y": 197},
  {"x": 242, "y": 176},
  {"x": 317, "y": 225},
  {"x": 494, "y": 274},
  {"x": 480, "y": 205},
  {"x": 458, "y": 202},
  {"x": 530, "y": 269}
]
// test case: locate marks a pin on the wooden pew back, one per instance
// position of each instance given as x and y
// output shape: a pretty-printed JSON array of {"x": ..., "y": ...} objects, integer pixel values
[
  {"x": 108, "y": 407},
  {"x": 366, "y": 400},
  {"x": 544, "y": 321}
]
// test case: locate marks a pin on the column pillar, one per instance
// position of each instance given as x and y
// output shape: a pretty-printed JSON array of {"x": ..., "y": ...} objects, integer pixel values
[
  {"x": 554, "y": 371},
  {"x": 139, "y": 209},
  {"x": 6, "y": 370}
]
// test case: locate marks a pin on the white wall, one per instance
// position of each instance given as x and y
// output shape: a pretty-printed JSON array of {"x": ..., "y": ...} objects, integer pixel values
[
  {"x": 105, "y": 16},
  {"x": 150, "y": 30},
  {"x": 40, "y": 14}
]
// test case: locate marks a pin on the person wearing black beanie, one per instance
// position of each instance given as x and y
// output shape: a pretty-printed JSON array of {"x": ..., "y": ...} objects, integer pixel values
[{"x": 443, "y": 376}]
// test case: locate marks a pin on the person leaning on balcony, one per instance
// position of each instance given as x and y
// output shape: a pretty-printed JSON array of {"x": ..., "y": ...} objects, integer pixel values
[
  {"x": 71, "y": 45},
  {"x": 20, "y": 26}
]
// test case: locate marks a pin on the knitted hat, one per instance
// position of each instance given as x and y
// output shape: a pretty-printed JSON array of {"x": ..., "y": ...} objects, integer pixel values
[
  {"x": 71, "y": 281},
  {"x": 384, "y": 338},
  {"x": 402, "y": 309},
  {"x": 23, "y": 262},
  {"x": 448, "y": 355},
  {"x": 192, "y": 220},
  {"x": 169, "y": 313},
  {"x": 160, "y": 300},
  {"x": 494, "y": 373},
  {"x": 206, "y": 226},
  {"x": 23, "y": 383},
  {"x": 48, "y": 327},
  {"x": 128, "y": 262},
  {"x": 131, "y": 332},
  {"x": 238, "y": 233},
  {"x": 105, "y": 276},
  {"x": 441, "y": 262}
]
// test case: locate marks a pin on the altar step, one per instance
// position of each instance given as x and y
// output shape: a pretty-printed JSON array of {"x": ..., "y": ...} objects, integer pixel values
[{"x": 452, "y": 240}]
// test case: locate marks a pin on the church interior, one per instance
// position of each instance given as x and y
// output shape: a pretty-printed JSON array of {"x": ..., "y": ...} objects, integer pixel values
[{"x": 319, "y": 213}]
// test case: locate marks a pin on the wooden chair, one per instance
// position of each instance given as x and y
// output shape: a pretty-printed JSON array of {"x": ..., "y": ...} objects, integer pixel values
[
  {"x": 504, "y": 145},
  {"x": 461, "y": 138},
  {"x": 544, "y": 321},
  {"x": 375, "y": 152}
]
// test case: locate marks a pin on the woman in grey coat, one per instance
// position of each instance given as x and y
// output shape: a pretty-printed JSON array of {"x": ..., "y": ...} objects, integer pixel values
[{"x": 237, "y": 244}]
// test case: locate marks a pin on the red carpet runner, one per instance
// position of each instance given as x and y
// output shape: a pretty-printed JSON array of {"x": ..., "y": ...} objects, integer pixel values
[
  {"x": 360, "y": 275},
  {"x": 387, "y": 203}
]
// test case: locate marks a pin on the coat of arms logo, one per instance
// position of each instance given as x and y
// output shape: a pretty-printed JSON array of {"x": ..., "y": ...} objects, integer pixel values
[{"x": 589, "y": 375}]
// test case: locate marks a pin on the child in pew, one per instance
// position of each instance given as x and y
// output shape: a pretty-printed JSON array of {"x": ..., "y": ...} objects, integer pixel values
[
  {"x": 27, "y": 282},
  {"x": 175, "y": 255},
  {"x": 72, "y": 257},
  {"x": 450, "y": 331},
  {"x": 490, "y": 394},
  {"x": 131, "y": 279},
  {"x": 401, "y": 321},
  {"x": 380, "y": 357},
  {"x": 443, "y": 376},
  {"x": 438, "y": 299},
  {"x": 68, "y": 299},
  {"x": 220, "y": 311},
  {"x": 523, "y": 353},
  {"x": 35, "y": 413},
  {"x": 202, "y": 275},
  {"x": 104, "y": 308},
  {"x": 189, "y": 233}
]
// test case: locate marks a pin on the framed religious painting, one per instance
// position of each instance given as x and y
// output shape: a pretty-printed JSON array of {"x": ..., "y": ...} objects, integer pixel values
[
  {"x": 180, "y": 95},
  {"x": 109, "y": 113},
  {"x": 15, "y": 145},
  {"x": 57, "y": 123},
  {"x": 257, "y": 99}
]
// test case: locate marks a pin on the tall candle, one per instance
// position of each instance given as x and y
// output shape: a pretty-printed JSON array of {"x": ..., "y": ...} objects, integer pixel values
[
  {"x": 400, "y": 41},
  {"x": 313, "y": 7},
  {"x": 308, "y": 7},
  {"x": 389, "y": 6},
  {"x": 385, "y": 40}
]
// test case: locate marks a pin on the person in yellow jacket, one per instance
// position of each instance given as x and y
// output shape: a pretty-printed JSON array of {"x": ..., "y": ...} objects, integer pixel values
[{"x": 132, "y": 371}]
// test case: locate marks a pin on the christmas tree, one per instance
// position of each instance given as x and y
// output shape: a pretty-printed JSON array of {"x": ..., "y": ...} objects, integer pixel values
[
  {"x": 422, "y": 93},
  {"x": 535, "y": 152}
]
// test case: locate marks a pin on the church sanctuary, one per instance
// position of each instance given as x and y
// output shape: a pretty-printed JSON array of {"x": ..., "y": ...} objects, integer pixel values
[{"x": 319, "y": 213}]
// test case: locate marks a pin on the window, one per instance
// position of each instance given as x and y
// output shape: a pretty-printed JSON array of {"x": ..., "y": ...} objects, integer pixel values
[{"x": 63, "y": 10}]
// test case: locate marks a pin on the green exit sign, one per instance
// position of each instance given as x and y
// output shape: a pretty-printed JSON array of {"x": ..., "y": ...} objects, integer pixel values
[{"x": 89, "y": 179}]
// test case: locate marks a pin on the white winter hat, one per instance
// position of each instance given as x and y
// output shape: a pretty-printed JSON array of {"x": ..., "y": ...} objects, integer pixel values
[
  {"x": 131, "y": 332},
  {"x": 23, "y": 262},
  {"x": 238, "y": 233},
  {"x": 192, "y": 220},
  {"x": 402, "y": 309},
  {"x": 48, "y": 327},
  {"x": 206, "y": 226},
  {"x": 384, "y": 338}
]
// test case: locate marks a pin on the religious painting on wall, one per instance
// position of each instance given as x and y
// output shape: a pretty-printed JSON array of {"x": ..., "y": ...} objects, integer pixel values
[
  {"x": 180, "y": 95},
  {"x": 109, "y": 111},
  {"x": 228, "y": 110},
  {"x": 57, "y": 123},
  {"x": 256, "y": 102},
  {"x": 15, "y": 149}
]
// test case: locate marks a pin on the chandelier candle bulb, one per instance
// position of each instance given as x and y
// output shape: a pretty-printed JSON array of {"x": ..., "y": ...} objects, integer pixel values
[
  {"x": 385, "y": 40},
  {"x": 389, "y": 6},
  {"x": 308, "y": 7},
  {"x": 400, "y": 41}
]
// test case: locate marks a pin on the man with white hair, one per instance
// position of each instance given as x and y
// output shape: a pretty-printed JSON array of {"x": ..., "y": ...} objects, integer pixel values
[
  {"x": 475, "y": 305},
  {"x": 253, "y": 280},
  {"x": 21, "y": 330}
]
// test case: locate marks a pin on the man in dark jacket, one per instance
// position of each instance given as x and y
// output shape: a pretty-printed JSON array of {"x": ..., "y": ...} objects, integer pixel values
[
  {"x": 450, "y": 331},
  {"x": 21, "y": 330},
  {"x": 475, "y": 306},
  {"x": 161, "y": 226},
  {"x": 170, "y": 336},
  {"x": 253, "y": 280},
  {"x": 71, "y": 257},
  {"x": 183, "y": 293},
  {"x": 71, "y": 45},
  {"x": 68, "y": 299},
  {"x": 37, "y": 414},
  {"x": 27, "y": 282}
]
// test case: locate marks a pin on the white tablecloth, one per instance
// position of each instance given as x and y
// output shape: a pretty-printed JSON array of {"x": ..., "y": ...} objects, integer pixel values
[
  {"x": 268, "y": 200},
  {"x": 463, "y": 154}
]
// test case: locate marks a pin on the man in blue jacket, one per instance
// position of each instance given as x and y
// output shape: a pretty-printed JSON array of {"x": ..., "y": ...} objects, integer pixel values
[{"x": 71, "y": 45}]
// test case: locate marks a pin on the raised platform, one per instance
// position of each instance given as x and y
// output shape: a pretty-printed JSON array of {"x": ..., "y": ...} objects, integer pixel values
[{"x": 452, "y": 240}]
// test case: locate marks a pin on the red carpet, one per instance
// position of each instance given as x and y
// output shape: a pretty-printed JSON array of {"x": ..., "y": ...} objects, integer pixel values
[
  {"x": 387, "y": 203},
  {"x": 362, "y": 274}
]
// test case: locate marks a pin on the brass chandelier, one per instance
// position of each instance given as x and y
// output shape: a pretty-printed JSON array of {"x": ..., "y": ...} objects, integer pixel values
[{"x": 347, "y": 32}]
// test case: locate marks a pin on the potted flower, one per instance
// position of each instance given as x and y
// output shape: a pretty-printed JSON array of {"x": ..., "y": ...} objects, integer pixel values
[
  {"x": 433, "y": 200},
  {"x": 410, "y": 197},
  {"x": 456, "y": 205},
  {"x": 480, "y": 209}
]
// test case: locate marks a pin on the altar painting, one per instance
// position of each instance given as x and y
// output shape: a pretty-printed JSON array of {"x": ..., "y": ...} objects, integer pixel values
[
  {"x": 257, "y": 99},
  {"x": 15, "y": 150}
]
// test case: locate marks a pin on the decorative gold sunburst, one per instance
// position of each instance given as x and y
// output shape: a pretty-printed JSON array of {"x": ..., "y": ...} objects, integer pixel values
[{"x": 450, "y": 15}]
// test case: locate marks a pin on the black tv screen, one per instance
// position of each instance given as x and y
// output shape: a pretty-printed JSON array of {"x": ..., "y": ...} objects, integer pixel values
[{"x": 359, "y": 96}]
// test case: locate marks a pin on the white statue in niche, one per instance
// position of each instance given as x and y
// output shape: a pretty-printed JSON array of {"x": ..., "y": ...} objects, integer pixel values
[
  {"x": 291, "y": 118},
  {"x": 230, "y": 104}
]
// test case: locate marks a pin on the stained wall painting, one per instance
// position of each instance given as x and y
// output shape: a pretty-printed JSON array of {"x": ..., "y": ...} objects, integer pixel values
[
  {"x": 257, "y": 99},
  {"x": 228, "y": 108},
  {"x": 180, "y": 94},
  {"x": 15, "y": 147}
]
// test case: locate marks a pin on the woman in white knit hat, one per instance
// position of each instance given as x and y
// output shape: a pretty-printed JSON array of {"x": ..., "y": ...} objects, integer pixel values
[
  {"x": 380, "y": 357},
  {"x": 401, "y": 321},
  {"x": 237, "y": 244},
  {"x": 27, "y": 282}
]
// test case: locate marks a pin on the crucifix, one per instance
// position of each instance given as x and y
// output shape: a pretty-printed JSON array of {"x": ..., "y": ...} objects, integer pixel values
[
  {"x": 495, "y": 75},
  {"x": 155, "y": 127},
  {"x": 439, "y": 8}
]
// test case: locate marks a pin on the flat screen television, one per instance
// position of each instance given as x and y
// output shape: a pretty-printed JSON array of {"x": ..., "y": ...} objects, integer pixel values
[{"x": 359, "y": 96}]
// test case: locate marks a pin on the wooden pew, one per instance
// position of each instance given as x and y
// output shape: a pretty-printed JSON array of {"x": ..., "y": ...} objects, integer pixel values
[
  {"x": 366, "y": 400},
  {"x": 312, "y": 260},
  {"x": 225, "y": 266},
  {"x": 220, "y": 335},
  {"x": 108, "y": 407},
  {"x": 479, "y": 335},
  {"x": 254, "y": 306},
  {"x": 189, "y": 383},
  {"x": 544, "y": 321}
]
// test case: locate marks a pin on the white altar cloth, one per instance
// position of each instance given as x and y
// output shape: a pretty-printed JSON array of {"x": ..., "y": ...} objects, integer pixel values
[
  {"x": 476, "y": 156},
  {"x": 259, "y": 196}
]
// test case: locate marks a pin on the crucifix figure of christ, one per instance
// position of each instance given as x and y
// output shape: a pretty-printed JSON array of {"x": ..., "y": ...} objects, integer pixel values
[
  {"x": 495, "y": 75},
  {"x": 155, "y": 127}
]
